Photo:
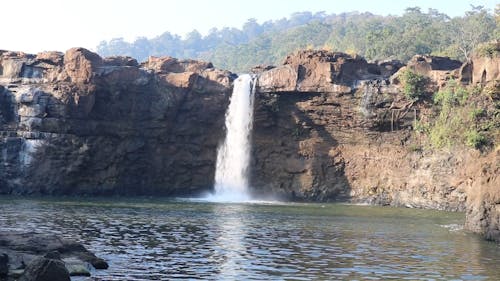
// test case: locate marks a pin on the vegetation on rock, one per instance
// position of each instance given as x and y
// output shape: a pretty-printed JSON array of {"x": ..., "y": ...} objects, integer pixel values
[
  {"x": 463, "y": 116},
  {"x": 413, "y": 84}
]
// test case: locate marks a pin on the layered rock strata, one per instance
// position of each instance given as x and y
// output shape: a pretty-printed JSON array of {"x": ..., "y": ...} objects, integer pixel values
[{"x": 76, "y": 123}]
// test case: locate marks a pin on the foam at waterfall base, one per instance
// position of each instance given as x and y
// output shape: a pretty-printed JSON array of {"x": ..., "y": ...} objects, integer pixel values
[{"x": 228, "y": 197}]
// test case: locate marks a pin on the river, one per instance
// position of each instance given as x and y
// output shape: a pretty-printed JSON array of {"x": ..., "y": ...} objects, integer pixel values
[{"x": 164, "y": 239}]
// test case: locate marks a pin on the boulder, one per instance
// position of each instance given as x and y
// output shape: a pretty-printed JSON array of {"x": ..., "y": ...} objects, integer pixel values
[
  {"x": 80, "y": 65},
  {"x": 45, "y": 269},
  {"x": 29, "y": 244}
]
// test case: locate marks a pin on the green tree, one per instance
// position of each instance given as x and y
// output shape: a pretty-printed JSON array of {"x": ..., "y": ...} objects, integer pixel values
[{"x": 472, "y": 29}]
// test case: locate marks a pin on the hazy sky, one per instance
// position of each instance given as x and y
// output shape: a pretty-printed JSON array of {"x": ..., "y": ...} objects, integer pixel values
[{"x": 38, "y": 25}]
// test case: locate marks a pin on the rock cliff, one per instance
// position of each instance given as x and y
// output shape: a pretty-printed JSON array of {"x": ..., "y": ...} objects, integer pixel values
[
  {"x": 328, "y": 126},
  {"x": 75, "y": 123}
]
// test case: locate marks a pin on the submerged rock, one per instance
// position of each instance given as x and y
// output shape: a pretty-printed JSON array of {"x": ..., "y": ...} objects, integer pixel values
[{"x": 48, "y": 257}]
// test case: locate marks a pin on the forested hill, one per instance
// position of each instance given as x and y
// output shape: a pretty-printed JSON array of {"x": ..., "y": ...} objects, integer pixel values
[{"x": 372, "y": 36}]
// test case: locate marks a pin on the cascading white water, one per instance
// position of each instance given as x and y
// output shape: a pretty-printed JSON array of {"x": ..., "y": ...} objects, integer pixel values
[{"x": 233, "y": 156}]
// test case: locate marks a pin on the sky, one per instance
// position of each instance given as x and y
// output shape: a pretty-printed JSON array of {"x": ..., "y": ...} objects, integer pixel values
[{"x": 44, "y": 25}]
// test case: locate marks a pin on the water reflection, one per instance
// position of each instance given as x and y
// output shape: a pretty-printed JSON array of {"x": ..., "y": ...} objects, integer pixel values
[
  {"x": 145, "y": 240},
  {"x": 230, "y": 231}
]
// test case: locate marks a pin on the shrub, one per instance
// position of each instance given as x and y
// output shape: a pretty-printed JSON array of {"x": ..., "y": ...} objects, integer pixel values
[
  {"x": 458, "y": 119},
  {"x": 475, "y": 113},
  {"x": 413, "y": 84},
  {"x": 474, "y": 139},
  {"x": 454, "y": 94}
]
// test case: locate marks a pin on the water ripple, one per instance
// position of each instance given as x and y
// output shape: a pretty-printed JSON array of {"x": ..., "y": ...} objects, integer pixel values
[{"x": 163, "y": 240}]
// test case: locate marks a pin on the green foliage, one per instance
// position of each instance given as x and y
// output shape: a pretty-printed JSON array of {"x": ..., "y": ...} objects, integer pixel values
[
  {"x": 372, "y": 36},
  {"x": 454, "y": 94},
  {"x": 459, "y": 119},
  {"x": 474, "y": 139},
  {"x": 475, "y": 113},
  {"x": 413, "y": 84},
  {"x": 476, "y": 27}
]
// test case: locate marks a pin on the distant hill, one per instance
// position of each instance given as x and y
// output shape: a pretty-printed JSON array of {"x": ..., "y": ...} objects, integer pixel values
[{"x": 372, "y": 36}]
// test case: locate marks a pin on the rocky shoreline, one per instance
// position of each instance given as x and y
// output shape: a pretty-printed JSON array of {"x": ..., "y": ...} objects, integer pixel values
[
  {"x": 44, "y": 257},
  {"x": 328, "y": 126}
]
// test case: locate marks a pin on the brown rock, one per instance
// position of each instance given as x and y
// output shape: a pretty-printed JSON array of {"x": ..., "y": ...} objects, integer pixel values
[
  {"x": 387, "y": 68},
  {"x": 170, "y": 64},
  {"x": 80, "y": 64},
  {"x": 55, "y": 58},
  {"x": 486, "y": 69},
  {"x": 438, "y": 69},
  {"x": 181, "y": 80},
  {"x": 280, "y": 79},
  {"x": 120, "y": 61},
  {"x": 483, "y": 201},
  {"x": 315, "y": 71}
]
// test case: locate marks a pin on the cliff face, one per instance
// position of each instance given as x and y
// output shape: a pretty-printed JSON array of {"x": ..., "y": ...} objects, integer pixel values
[
  {"x": 346, "y": 132},
  {"x": 77, "y": 123},
  {"x": 328, "y": 126}
]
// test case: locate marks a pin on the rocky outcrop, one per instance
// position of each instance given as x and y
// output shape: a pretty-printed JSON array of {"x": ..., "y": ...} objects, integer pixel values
[
  {"x": 76, "y": 123},
  {"x": 320, "y": 71},
  {"x": 351, "y": 138},
  {"x": 439, "y": 70},
  {"x": 35, "y": 256},
  {"x": 45, "y": 269},
  {"x": 484, "y": 66},
  {"x": 483, "y": 208}
]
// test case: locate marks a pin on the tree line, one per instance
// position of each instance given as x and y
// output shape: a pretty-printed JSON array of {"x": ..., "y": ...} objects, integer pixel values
[{"x": 373, "y": 36}]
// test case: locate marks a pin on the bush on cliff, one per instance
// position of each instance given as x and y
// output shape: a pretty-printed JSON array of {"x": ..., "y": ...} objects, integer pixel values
[
  {"x": 414, "y": 84},
  {"x": 464, "y": 116}
]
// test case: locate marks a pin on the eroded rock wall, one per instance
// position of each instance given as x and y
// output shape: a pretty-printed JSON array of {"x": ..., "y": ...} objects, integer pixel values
[
  {"x": 328, "y": 150},
  {"x": 351, "y": 138},
  {"x": 76, "y": 123}
]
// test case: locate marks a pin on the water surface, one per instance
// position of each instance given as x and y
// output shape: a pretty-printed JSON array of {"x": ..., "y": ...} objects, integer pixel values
[{"x": 146, "y": 239}]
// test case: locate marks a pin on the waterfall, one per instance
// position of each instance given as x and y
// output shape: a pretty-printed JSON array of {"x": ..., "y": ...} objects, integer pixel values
[{"x": 233, "y": 156}]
